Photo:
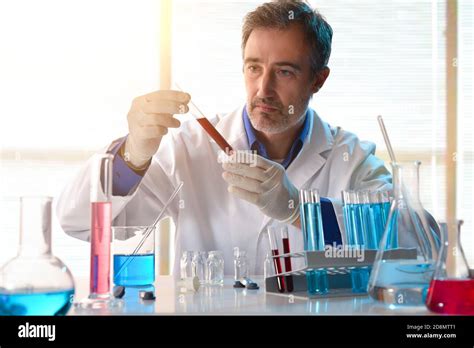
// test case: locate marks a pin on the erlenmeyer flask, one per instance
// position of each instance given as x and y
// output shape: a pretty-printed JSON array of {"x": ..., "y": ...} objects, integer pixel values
[
  {"x": 451, "y": 290},
  {"x": 35, "y": 282},
  {"x": 407, "y": 253}
]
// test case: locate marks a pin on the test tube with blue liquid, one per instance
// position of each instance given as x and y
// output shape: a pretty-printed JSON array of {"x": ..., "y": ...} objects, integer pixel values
[
  {"x": 313, "y": 234},
  {"x": 384, "y": 200},
  {"x": 355, "y": 236},
  {"x": 367, "y": 219},
  {"x": 378, "y": 217}
]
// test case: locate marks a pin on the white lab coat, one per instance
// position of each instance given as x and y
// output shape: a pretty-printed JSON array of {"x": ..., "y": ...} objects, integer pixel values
[{"x": 206, "y": 215}]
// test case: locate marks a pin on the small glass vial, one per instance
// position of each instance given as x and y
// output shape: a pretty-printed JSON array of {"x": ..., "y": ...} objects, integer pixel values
[
  {"x": 198, "y": 266},
  {"x": 185, "y": 264},
  {"x": 215, "y": 268},
  {"x": 241, "y": 265}
]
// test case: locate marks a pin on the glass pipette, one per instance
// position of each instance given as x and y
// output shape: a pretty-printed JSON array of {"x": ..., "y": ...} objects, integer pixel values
[
  {"x": 386, "y": 138},
  {"x": 208, "y": 127}
]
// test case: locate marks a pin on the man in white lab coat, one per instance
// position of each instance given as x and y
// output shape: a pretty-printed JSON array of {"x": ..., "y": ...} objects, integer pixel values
[{"x": 286, "y": 48}]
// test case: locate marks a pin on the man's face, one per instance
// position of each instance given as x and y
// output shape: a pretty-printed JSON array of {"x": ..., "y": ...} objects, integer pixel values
[{"x": 278, "y": 78}]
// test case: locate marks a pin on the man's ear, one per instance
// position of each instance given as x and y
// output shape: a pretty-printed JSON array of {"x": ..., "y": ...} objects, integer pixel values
[{"x": 320, "y": 78}]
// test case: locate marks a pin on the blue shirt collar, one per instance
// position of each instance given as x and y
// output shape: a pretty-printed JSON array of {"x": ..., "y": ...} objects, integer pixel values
[{"x": 260, "y": 148}]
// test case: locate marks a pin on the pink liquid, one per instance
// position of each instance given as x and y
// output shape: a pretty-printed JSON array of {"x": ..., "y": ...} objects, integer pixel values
[
  {"x": 277, "y": 264},
  {"x": 289, "y": 278},
  {"x": 101, "y": 234},
  {"x": 451, "y": 297}
]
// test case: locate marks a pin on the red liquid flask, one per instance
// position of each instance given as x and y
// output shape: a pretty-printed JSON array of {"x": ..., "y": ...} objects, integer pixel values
[
  {"x": 451, "y": 290},
  {"x": 451, "y": 297}
]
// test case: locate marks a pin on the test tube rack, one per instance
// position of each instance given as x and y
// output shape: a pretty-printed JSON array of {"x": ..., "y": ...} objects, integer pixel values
[{"x": 338, "y": 270}]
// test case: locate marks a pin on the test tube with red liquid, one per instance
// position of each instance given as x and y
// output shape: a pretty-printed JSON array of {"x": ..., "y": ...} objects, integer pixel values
[
  {"x": 286, "y": 250},
  {"x": 207, "y": 126},
  {"x": 276, "y": 259}
]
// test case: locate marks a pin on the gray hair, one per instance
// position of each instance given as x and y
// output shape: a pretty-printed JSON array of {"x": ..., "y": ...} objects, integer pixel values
[{"x": 281, "y": 14}]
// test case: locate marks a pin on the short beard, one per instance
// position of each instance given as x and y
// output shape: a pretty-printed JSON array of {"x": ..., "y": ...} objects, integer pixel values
[{"x": 277, "y": 123}]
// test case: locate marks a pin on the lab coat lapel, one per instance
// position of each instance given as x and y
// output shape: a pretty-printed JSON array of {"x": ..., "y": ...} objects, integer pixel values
[{"x": 309, "y": 161}]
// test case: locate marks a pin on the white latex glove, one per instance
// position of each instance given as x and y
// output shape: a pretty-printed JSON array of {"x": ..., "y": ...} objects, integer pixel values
[
  {"x": 149, "y": 118},
  {"x": 263, "y": 183}
]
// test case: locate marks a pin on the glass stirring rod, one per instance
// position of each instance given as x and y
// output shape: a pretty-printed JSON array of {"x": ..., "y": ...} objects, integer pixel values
[{"x": 208, "y": 127}]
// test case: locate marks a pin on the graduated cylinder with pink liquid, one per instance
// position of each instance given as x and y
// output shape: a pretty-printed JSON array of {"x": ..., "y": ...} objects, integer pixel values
[{"x": 101, "y": 233}]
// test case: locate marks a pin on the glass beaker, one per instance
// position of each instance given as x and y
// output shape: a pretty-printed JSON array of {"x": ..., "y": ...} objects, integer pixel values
[
  {"x": 451, "y": 289},
  {"x": 35, "y": 282},
  {"x": 215, "y": 268},
  {"x": 405, "y": 261},
  {"x": 138, "y": 269},
  {"x": 313, "y": 235}
]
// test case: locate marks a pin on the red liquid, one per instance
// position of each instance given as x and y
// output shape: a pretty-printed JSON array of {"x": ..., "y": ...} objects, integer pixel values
[
  {"x": 101, "y": 234},
  {"x": 289, "y": 278},
  {"x": 214, "y": 134},
  {"x": 451, "y": 297},
  {"x": 277, "y": 264}
]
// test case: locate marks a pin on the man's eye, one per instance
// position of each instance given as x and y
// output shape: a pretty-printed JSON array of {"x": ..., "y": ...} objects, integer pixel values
[
  {"x": 252, "y": 68},
  {"x": 285, "y": 73}
]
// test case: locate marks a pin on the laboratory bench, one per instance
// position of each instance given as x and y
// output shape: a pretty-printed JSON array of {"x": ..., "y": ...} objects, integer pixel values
[{"x": 172, "y": 299}]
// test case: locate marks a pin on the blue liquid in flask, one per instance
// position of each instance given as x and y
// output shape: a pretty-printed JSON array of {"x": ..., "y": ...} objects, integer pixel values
[
  {"x": 402, "y": 283},
  {"x": 139, "y": 271},
  {"x": 43, "y": 303}
]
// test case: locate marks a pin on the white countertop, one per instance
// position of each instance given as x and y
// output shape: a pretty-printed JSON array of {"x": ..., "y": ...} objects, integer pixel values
[{"x": 225, "y": 300}]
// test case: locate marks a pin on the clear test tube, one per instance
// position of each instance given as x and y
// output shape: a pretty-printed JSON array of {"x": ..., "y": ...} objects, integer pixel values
[
  {"x": 276, "y": 258},
  {"x": 101, "y": 233},
  {"x": 286, "y": 250}
]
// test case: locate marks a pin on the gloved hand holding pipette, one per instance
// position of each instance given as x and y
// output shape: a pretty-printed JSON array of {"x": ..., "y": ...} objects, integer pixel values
[
  {"x": 265, "y": 184},
  {"x": 149, "y": 118}
]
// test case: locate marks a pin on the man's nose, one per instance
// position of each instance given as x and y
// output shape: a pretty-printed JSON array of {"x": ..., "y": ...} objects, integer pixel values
[{"x": 267, "y": 85}]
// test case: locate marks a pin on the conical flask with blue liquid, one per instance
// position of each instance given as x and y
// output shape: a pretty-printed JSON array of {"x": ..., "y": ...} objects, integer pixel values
[
  {"x": 35, "y": 282},
  {"x": 407, "y": 253}
]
